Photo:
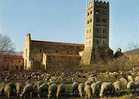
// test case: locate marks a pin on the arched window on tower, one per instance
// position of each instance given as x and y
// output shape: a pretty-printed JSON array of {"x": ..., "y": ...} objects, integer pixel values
[
  {"x": 97, "y": 41},
  {"x": 98, "y": 30},
  {"x": 90, "y": 20},
  {"x": 87, "y": 21},
  {"x": 90, "y": 12},
  {"x": 104, "y": 30},
  {"x": 104, "y": 20},
  {"x": 97, "y": 11}
]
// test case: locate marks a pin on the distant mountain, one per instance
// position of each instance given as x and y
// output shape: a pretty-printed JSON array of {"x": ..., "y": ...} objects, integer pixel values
[{"x": 132, "y": 52}]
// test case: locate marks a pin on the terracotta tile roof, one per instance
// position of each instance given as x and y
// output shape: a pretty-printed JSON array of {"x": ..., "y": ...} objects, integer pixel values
[
  {"x": 66, "y": 55},
  {"x": 12, "y": 54},
  {"x": 36, "y": 42}
]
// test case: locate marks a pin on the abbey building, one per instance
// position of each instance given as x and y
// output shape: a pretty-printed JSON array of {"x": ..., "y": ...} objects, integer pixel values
[
  {"x": 46, "y": 54},
  {"x": 56, "y": 55}
]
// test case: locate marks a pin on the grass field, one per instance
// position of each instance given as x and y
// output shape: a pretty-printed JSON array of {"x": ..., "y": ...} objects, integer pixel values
[
  {"x": 122, "y": 97},
  {"x": 70, "y": 97}
]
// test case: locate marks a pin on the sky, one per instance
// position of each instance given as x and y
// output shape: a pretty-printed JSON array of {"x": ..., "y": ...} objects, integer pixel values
[{"x": 63, "y": 20}]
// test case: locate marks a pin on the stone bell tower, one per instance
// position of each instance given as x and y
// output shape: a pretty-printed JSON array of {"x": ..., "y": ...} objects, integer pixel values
[{"x": 96, "y": 29}]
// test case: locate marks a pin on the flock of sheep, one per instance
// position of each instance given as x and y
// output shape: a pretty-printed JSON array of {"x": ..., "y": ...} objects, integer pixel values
[{"x": 58, "y": 85}]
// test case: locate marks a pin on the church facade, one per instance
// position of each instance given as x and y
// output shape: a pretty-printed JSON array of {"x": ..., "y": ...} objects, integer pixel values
[{"x": 58, "y": 55}]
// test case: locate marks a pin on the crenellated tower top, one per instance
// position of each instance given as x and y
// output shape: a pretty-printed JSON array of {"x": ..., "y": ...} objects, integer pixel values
[{"x": 98, "y": 1}]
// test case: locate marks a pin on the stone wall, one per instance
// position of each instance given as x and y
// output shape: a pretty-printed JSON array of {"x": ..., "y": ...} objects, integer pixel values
[{"x": 59, "y": 62}]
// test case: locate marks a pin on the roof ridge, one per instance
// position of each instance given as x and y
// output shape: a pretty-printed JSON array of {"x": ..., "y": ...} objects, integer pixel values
[{"x": 57, "y": 42}]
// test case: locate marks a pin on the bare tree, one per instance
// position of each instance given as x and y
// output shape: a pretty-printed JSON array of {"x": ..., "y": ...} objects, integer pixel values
[
  {"x": 132, "y": 45},
  {"x": 6, "y": 44}
]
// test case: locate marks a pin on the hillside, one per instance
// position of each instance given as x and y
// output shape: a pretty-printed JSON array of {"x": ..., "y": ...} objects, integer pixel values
[
  {"x": 133, "y": 56},
  {"x": 132, "y": 52}
]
